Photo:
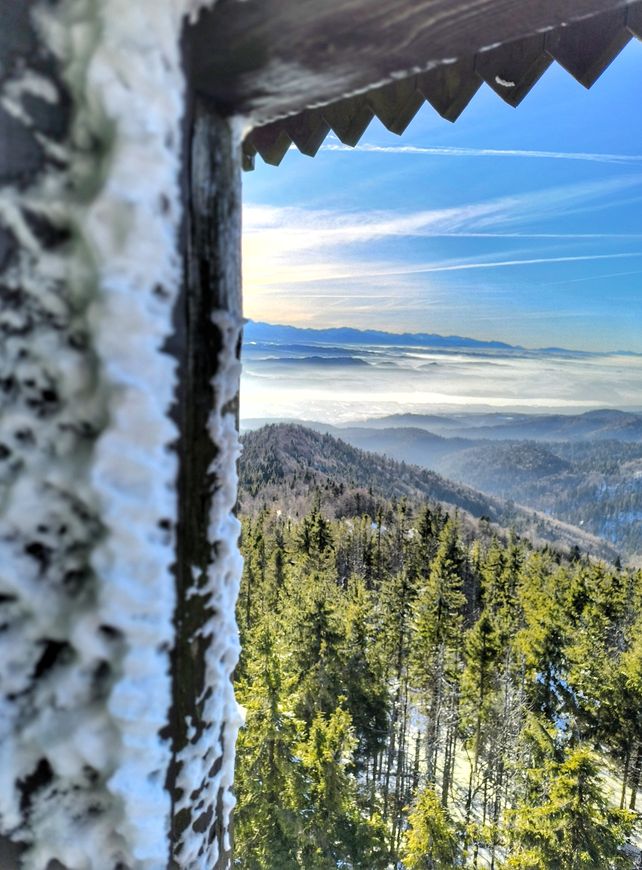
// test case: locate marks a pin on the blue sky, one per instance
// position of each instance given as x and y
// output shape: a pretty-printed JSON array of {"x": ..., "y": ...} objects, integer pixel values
[{"x": 425, "y": 232}]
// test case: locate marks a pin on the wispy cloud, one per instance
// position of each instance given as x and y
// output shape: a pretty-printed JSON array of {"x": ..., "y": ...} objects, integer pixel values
[
  {"x": 452, "y": 151},
  {"x": 269, "y": 230},
  {"x": 319, "y": 272},
  {"x": 503, "y": 264},
  {"x": 598, "y": 277},
  {"x": 289, "y": 246}
]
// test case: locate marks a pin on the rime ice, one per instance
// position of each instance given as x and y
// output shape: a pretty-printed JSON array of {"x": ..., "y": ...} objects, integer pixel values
[{"x": 87, "y": 477}]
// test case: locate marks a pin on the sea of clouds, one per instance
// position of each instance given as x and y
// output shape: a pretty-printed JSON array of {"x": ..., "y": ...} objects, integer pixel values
[{"x": 339, "y": 384}]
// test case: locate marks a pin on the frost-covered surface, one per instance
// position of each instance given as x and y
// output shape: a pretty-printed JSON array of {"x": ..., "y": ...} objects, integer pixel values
[
  {"x": 55, "y": 668},
  {"x": 87, "y": 481},
  {"x": 133, "y": 86},
  {"x": 207, "y": 763}
]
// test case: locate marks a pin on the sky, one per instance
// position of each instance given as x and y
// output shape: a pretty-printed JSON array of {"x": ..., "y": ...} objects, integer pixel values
[{"x": 522, "y": 225}]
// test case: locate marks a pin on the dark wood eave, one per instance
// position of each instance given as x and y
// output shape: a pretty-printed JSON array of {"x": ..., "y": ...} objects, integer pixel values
[
  {"x": 298, "y": 68},
  {"x": 267, "y": 59}
]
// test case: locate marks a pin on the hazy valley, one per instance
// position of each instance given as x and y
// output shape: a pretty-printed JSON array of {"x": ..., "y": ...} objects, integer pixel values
[{"x": 482, "y": 415}]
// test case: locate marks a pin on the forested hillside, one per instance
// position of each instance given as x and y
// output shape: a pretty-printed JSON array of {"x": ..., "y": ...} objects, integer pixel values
[
  {"x": 282, "y": 465},
  {"x": 594, "y": 483},
  {"x": 417, "y": 700},
  {"x": 597, "y": 485}
]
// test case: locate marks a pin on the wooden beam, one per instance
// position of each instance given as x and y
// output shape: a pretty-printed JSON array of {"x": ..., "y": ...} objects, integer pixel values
[
  {"x": 206, "y": 344},
  {"x": 585, "y": 48},
  {"x": 268, "y": 59},
  {"x": 450, "y": 87}
]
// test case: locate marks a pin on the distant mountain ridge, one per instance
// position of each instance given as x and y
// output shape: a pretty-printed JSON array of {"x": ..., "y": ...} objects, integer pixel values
[
  {"x": 598, "y": 425},
  {"x": 591, "y": 477},
  {"x": 282, "y": 465},
  {"x": 259, "y": 331}
]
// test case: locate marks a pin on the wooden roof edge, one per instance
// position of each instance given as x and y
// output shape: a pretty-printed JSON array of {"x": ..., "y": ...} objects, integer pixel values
[
  {"x": 585, "y": 49},
  {"x": 271, "y": 59}
]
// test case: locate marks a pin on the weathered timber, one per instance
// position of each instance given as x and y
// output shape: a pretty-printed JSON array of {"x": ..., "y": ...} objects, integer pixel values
[
  {"x": 210, "y": 299},
  {"x": 511, "y": 70},
  {"x": 267, "y": 59},
  {"x": 584, "y": 48},
  {"x": 450, "y": 87},
  {"x": 587, "y": 49}
]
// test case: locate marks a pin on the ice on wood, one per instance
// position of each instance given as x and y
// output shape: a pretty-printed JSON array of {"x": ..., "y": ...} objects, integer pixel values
[
  {"x": 87, "y": 473},
  {"x": 216, "y": 742}
]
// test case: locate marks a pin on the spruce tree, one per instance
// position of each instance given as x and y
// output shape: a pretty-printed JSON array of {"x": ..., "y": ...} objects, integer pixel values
[
  {"x": 479, "y": 687},
  {"x": 364, "y": 685},
  {"x": 335, "y": 831},
  {"x": 313, "y": 634},
  {"x": 437, "y": 640},
  {"x": 269, "y": 779},
  {"x": 569, "y": 824},
  {"x": 431, "y": 841}
]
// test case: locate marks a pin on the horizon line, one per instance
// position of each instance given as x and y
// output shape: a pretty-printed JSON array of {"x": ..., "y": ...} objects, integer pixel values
[{"x": 491, "y": 341}]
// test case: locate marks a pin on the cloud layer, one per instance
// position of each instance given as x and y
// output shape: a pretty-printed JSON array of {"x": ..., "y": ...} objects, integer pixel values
[{"x": 424, "y": 381}]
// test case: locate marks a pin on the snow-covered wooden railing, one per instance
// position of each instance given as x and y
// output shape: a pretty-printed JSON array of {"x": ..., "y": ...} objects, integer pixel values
[
  {"x": 117, "y": 444},
  {"x": 120, "y": 321}
]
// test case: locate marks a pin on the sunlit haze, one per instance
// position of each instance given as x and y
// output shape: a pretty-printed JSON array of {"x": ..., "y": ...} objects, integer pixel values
[{"x": 515, "y": 224}]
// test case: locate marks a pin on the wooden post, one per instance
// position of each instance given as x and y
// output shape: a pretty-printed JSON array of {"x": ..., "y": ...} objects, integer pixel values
[
  {"x": 208, "y": 331},
  {"x": 79, "y": 593}
]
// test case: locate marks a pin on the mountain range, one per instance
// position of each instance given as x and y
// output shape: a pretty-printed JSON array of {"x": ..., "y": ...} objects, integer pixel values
[
  {"x": 284, "y": 465},
  {"x": 602, "y": 424},
  {"x": 259, "y": 332},
  {"x": 584, "y": 470}
]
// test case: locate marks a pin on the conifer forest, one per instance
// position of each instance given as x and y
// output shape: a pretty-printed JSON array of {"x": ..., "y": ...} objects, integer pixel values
[{"x": 422, "y": 695}]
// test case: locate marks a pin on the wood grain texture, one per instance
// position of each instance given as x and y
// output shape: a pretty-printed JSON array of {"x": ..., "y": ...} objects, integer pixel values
[
  {"x": 450, "y": 87},
  {"x": 634, "y": 19},
  {"x": 512, "y": 69},
  {"x": 588, "y": 48},
  {"x": 267, "y": 59},
  {"x": 212, "y": 283},
  {"x": 585, "y": 48}
]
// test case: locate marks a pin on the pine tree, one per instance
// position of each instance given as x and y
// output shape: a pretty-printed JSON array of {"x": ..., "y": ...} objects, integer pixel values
[
  {"x": 313, "y": 633},
  {"x": 395, "y": 601},
  {"x": 269, "y": 778},
  {"x": 542, "y": 638},
  {"x": 479, "y": 686},
  {"x": 364, "y": 685},
  {"x": 436, "y": 643},
  {"x": 335, "y": 831},
  {"x": 627, "y": 725},
  {"x": 375, "y": 653},
  {"x": 431, "y": 841},
  {"x": 569, "y": 825}
]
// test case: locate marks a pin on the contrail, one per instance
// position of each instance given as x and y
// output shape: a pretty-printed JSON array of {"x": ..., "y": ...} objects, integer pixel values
[
  {"x": 450, "y": 151},
  {"x": 498, "y": 264},
  {"x": 446, "y": 267}
]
